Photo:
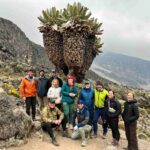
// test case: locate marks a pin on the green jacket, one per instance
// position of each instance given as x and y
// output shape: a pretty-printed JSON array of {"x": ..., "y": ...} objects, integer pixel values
[
  {"x": 100, "y": 98},
  {"x": 65, "y": 93}
]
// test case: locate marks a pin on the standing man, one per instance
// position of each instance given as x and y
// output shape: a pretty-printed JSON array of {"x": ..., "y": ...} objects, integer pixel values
[
  {"x": 130, "y": 116},
  {"x": 51, "y": 118},
  {"x": 42, "y": 88},
  {"x": 100, "y": 95},
  {"x": 81, "y": 124},
  {"x": 55, "y": 76},
  {"x": 87, "y": 95},
  {"x": 28, "y": 88}
]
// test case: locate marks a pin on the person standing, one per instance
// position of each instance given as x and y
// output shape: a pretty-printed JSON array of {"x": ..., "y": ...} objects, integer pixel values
[
  {"x": 69, "y": 92},
  {"x": 100, "y": 95},
  {"x": 113, "y": 110},
  {"x": 55, "y": 93},
  {"x": 28, "y": 89},
  {"x": 51, "y": 120},
  {"x": 130, "y": 116},
  {"x": 42, "y": 88},
  {"x": 81, "y": 124},
  {"x": 55, "y": 76},
  {"x": 87, "y": 95}
]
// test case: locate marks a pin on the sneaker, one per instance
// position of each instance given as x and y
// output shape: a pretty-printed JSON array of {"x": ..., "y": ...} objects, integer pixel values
[
  {"x": 94, "y": 135},
  {"x": 54, "y": 142},
  {"x": 70, "y": 126},
  {"x": 84, "y": 143},
  {"x": 65, "y": 134}
]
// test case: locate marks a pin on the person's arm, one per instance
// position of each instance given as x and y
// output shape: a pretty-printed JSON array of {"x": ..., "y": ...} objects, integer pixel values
[
  {"x": 22, "y": 88},
  {"x": 135, "y": 113},
  {"x": 63, "y": 90},
  {"x": 84, "y": 122},
  {"x": 118, "y": 110}
]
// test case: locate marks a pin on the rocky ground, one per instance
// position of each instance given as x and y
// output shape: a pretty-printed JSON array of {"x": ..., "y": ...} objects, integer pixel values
[{"x": 39, "y": 142}]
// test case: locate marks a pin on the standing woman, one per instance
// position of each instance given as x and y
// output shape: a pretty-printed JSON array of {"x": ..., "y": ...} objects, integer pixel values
[
  {"x": 130, "y": 116},
  {"x": 113, "y": 110},
  {"x": 69, "y": 92},
  {"x": 54, "y": 92}
]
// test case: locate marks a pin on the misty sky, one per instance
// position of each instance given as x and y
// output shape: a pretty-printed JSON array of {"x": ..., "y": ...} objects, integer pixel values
[{"x": 126, "y": 23}]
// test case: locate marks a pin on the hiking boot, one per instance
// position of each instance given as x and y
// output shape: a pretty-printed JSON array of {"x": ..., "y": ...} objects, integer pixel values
[
  {"x": 65, "y": 134},
  {"x": 94, "y": 135},
  {"x": 70, "y": 126},
  {"x": 84, "y": 143},
  {"x": 67, "y": 125},
  {"x": 54, "y": 142}
]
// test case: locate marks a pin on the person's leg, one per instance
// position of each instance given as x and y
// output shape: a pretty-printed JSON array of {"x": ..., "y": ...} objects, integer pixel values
[
  {"x": 75, "y": 135},
  {"x": 48, "y": 127},
  {"x": 39, "y": 100},
  {"x": 133, "y": 136},
  {"x": 104, "y": 125},
  {"x": 87, "y": 129},
  {"x": 33, "y": 105},
  {"x": 127, "y": 132},
  {"x": 91, "y": 117},
  {"x": 28, "y": 105},
  {"x": 71, "y": 110},
  {"x": 45, "y": 101},
  {"x": 66, "y": 111},
  {"x": 95, "y": 120}
]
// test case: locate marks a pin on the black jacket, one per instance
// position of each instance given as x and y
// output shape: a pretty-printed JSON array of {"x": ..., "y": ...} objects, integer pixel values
[
  {"x": 131, "y": 111},
  {"x": 43, "y": 85},
  {"x": 115, "y": 105}
]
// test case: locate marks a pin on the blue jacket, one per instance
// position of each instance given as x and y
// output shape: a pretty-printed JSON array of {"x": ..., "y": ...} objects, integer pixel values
[
  {"x": 87, "y": 95},
  {"x": 82, "y": 117}
]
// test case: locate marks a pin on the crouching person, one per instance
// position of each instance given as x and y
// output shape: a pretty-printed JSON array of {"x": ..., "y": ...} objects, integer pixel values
[
  {"x": 51, "y": 118},
  {"x": 80, "y": 121}
]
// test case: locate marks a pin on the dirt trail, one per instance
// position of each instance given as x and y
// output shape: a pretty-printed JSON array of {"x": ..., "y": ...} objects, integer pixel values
[{"x": 35, "y": 143}]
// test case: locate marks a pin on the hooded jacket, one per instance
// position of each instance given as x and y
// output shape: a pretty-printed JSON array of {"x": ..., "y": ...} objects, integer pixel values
[
  {"x": 87, "y": 95},
  {"x": 131, "y": 111}
]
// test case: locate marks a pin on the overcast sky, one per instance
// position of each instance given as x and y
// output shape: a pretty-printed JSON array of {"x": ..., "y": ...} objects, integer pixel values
[{"x": 126, "y": 23}]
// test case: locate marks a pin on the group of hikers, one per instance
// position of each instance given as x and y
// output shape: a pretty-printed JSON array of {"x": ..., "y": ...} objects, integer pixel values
[{"x": 58, "y": 106}]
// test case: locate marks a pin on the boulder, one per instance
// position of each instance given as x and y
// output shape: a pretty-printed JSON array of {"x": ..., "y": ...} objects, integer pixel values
[{"x": 14, "y": 122}]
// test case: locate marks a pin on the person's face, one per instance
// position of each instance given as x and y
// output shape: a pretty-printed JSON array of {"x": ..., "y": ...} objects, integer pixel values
[
  {"x": 87, "y": 85},
  {"x": 70, "y": 81},
  {"x": 80, "y": 106},
  {"x": 130, "y": 97},
  {"x": 55, "y": 83},
  {"x": 99, "y": 87},
  {"x": 110, "y": 94},
  {"x": 42, "y": 73},
  {"x": 51, "y": 105},
  {"x": 30, "y": 74}
]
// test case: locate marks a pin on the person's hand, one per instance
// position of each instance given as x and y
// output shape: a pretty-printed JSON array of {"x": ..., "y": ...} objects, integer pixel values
[
  {"x": 59, "y": 121},
  {"x": 72, "y": 94},
  {"x": 75, "y": 128},
  {"x": 24, "y": 98},
  {"x": 56, "y": 122}
]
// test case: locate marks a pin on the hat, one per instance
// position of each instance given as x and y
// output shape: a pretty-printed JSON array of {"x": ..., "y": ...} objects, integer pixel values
[
  {"x": 51, "y": 100},
  {"x": 87, "y": 82},
  {"x": 81, "y": 102},
  {"x": 99, "y": 83}
]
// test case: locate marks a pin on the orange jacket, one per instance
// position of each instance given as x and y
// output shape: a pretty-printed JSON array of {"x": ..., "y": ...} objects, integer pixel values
[{"x": 28, "y": 88}]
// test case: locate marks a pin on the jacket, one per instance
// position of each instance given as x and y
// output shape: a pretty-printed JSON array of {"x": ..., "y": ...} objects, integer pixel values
[
  {"x": 50, "y": 115},
  {"x": 131, "y": 111},
  {"x": 115, "y": 105},
  {"x": 82, "y": 117},
  {"x": 99, "y": 98},
  {"x": 42, "y": 87},
  {"x": 28, "y": 88},
  {"x": 55, "y": 92},
  {"x": 65, "y": 93},
  {"x": 87, "y": 95}
]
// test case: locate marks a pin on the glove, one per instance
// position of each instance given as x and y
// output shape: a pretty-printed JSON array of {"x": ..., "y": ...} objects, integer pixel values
[
  {"x": 75, "y": 127},
  {"x": 111, "y": 110}
]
